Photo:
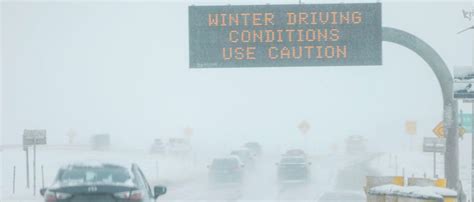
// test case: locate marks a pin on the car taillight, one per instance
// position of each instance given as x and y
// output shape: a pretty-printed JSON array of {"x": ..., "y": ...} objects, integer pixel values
[
  {"x": 62, "y": 196},
  {"x": 130, "y": 195},
  {"x": 122, "y": 195},
  {"x": 50, "y": 196},
  {"x": 136, "y": 195}
]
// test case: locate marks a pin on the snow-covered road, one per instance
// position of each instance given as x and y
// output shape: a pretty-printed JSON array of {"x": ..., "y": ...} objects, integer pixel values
[{"x": 186, "y": 178}]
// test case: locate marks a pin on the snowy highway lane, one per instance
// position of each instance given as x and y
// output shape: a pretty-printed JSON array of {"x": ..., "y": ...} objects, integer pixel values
[
  {"x": 261, "y": 184},
  {"x": 186, "y": 178}
]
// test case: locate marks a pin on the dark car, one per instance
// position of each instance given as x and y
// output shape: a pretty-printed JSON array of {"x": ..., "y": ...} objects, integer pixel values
[
  {"x": 226, "y": 170},
  {"x": 293, "y": 170},
  {"x": 101, "y": 182},
  {"x": 254, "y": 147}
]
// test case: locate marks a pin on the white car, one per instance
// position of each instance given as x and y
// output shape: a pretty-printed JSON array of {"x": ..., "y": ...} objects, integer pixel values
[
  {"x": 293, "y": 169},
  {"x": 227, "y": 169}
]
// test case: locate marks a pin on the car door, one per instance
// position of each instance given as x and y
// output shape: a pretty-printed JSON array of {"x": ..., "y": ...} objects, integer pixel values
[{"x": 143, "y": 183}]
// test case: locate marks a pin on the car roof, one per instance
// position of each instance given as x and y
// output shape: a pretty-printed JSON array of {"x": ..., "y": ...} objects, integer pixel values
[
  {"x": 303, "y": 160},
  {"x": 98, "y": 164},
  {"x": 243, "y": 149},
  {"x": 230, "y": 157}
]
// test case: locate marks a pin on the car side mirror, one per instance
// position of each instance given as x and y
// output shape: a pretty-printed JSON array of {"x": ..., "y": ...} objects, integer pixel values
[
  {"x": 159, "y": 190},
  {"x": 42, "y": 191}
]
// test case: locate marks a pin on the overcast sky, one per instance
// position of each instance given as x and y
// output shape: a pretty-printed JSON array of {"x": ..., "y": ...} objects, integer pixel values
[{"x": 122, "y": 68}]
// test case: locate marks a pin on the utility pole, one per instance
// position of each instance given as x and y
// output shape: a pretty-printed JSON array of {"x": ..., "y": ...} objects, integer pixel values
[
  {"x": 472, "y": 133},
  {"x": 472, "y": 119},
  {"x": 472, "y": 124},
  {"x": 472, "y": 149}
]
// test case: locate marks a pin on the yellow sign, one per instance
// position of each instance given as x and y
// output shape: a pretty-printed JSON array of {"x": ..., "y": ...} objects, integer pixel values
[
  {"x": 188, "y": 131},
  {"x": 398, "y": 180},
  {"x": 439, "y": 130},
  {"x": 440, "y": 183},
  {"x": 410, "y": 127}
]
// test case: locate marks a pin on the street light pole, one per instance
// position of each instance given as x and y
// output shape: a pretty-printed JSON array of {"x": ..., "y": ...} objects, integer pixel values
[
  {"x": 472, "y": 149},
  {"x": 472, "y": 131}
]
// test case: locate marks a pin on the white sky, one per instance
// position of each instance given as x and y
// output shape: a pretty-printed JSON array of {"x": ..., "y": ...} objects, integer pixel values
[{"x": 122, "y": 68}]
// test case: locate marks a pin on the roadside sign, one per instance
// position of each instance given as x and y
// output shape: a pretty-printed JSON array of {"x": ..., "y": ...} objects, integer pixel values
[
  {"x": 71, "y": 134},
  {"x": 304, "y": 127},
  {"x": 410, "y": 127},
  {"x": 439, "y": 130},
  {"x": 463, "y": 74},
  {"x": 188, "y": 131},
  {"x": 32, "y": 137},
  {"x": 434, "y": 144},
  {"x": 463, "y": 91},
  {"x": 285, "y": 35},
  {"x": 463, "y": 86},
  {"x": 466, "y": 122}
]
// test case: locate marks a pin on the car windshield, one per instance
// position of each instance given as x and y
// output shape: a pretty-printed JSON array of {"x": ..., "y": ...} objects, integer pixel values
[
  {"x": 104, "y": 174},
  {"x": 224, "y": 163},
  {"x": 292, "y": 160}
]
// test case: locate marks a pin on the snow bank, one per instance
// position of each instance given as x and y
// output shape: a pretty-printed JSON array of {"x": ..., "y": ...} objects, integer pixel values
[
  {"x": 419, "y": 192},
  {"x": 413, "y": 191},
  {"x": 388, "y": 189}
]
